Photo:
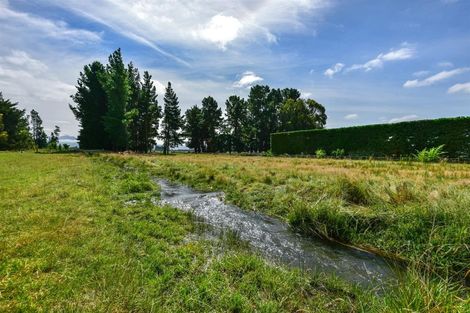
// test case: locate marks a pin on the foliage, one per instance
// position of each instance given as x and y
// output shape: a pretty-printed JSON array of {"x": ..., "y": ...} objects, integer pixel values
[
  {"x": 193, "y": 129},
  {"x": 132, "y": 115},
  {"x": 38, "y": 133},
  {"x": 149, "y": 113},
  {"x": 115, "y": 82},
  {"x": 90, "y": 107},
  {"x": 172, "y": 121},
  {"x": 320, "y": 153},
  {"x": 430, "y": 155},
  {"x": 399, "y": 139},
  {"x": 338, "y": 153},
  {"x": 3, "y": 133},
  {"x": 211, "y": 121},
  {"x": 14, "y": 127},
  {"x": 53, "y": 143},
  {"x": 236, "y": 116}
]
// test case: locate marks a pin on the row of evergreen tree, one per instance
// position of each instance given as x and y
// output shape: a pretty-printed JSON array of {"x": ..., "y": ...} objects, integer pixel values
[
  {"x": 18, "y": 131},
  {"x": 118, "y": 110}
]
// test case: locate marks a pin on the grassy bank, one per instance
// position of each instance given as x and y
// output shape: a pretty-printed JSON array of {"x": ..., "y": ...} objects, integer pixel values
[
  {"x": 414, "y": 211},
  {"x": 81, "y": 234}
]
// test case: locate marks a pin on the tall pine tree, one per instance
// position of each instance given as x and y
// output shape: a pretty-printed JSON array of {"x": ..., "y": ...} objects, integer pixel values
[
  {"x": 171, "y": 121},
  {"x": 132, "y": 110},
  {"x": 193, "y": 129},
  {"x": 149, "y": 113},
  {"x": 91, "y": 106},
  {"x": 236, "y": 113},
  {"x": 212, "y": 118},
  {"x": 116, "y": 84}
]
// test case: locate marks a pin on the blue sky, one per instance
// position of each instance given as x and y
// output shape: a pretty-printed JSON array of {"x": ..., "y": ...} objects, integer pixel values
[{"x": 366, "y": 61}]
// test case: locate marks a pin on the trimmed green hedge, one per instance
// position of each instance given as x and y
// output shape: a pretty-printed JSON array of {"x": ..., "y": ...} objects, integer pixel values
[{"x": 381, "y": 140}]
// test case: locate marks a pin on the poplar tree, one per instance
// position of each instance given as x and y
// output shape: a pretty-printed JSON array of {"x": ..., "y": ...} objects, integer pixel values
[
  {"x": 116, "y": 84},
  {"x": 39, "y": 135},
  {"x": 172, "y": 121}
]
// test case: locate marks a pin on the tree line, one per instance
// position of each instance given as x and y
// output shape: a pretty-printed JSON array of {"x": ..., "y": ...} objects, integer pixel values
[
  {"x": 19, "y": 131},
  {"x": 117, "y": 109}
]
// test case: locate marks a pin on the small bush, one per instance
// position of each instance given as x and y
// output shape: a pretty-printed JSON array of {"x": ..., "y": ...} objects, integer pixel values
[
  {"x": 338, "y": 153},
  {"x": 434, "y": 154},
  {"x": 320, "y": 153}
]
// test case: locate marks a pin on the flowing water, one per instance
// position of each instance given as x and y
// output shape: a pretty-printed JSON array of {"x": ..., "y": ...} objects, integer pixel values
[{"x": 276, "y": 241}]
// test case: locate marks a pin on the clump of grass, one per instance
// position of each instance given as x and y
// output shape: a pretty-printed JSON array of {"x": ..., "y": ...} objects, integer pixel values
[
  {"x": 434, "y": 154},
  {"x": 353, "y": 192},
  {"x": 418, "y": 292},
  {"x": 401, "y": 193}
]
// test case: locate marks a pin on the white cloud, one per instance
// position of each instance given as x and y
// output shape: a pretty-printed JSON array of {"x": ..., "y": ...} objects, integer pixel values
[
  {"x": 305, "y": 95},
  {"x": 445, "y": 64},
  {"x": 351, "y": 116},
  {"x": 431, "y": 80},
  {"x": 247, "y": 80},
  {"x": 220, "y": 30},
  {"x": 159, "y": 87},
  {"x": 421, "y": 73},
  {"x": 465, "y": 88},
  {"x": 404, "y": 118},
  {"x": 20, "y": 59},
  {"x": 338, "y": 67},
  {"x": 404, "y": 53},
  {"x": 194, "y": 23}
]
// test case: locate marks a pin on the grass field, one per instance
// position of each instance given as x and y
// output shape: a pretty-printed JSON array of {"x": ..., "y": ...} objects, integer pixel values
[
  {"x": 418, "y": 212},
  {"x": 81, "y": 234}
]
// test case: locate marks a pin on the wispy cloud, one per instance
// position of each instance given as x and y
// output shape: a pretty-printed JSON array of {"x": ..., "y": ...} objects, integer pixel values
[
  {"x": 45, "y": 27},
  {"x": 248, "y": 79},
  {"x": 465, "y": 88},
  {"x": 351, "y": 116},
  {"x": 404, "y": 118},
  {"x": 445, "y": 64},
  {"x": 338, "y": 67},
  {"x": 421, "y": 73},
  {"x": 431, "y": 80},
  {"x": 198, "y": 22},
  {"x": 404, "y": 53}
]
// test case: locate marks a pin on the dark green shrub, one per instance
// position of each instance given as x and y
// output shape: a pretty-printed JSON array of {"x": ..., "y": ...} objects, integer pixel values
[{"x": 400, "y": 139}]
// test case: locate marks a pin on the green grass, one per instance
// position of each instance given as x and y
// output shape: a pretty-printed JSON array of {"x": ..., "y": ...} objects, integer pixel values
[
  {"x": 80, "y": 234},
  {"x": 416, "y": 212}
]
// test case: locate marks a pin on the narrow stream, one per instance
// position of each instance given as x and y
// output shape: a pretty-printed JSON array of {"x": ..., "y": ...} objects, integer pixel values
[{"x": 276, "y": 241}]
